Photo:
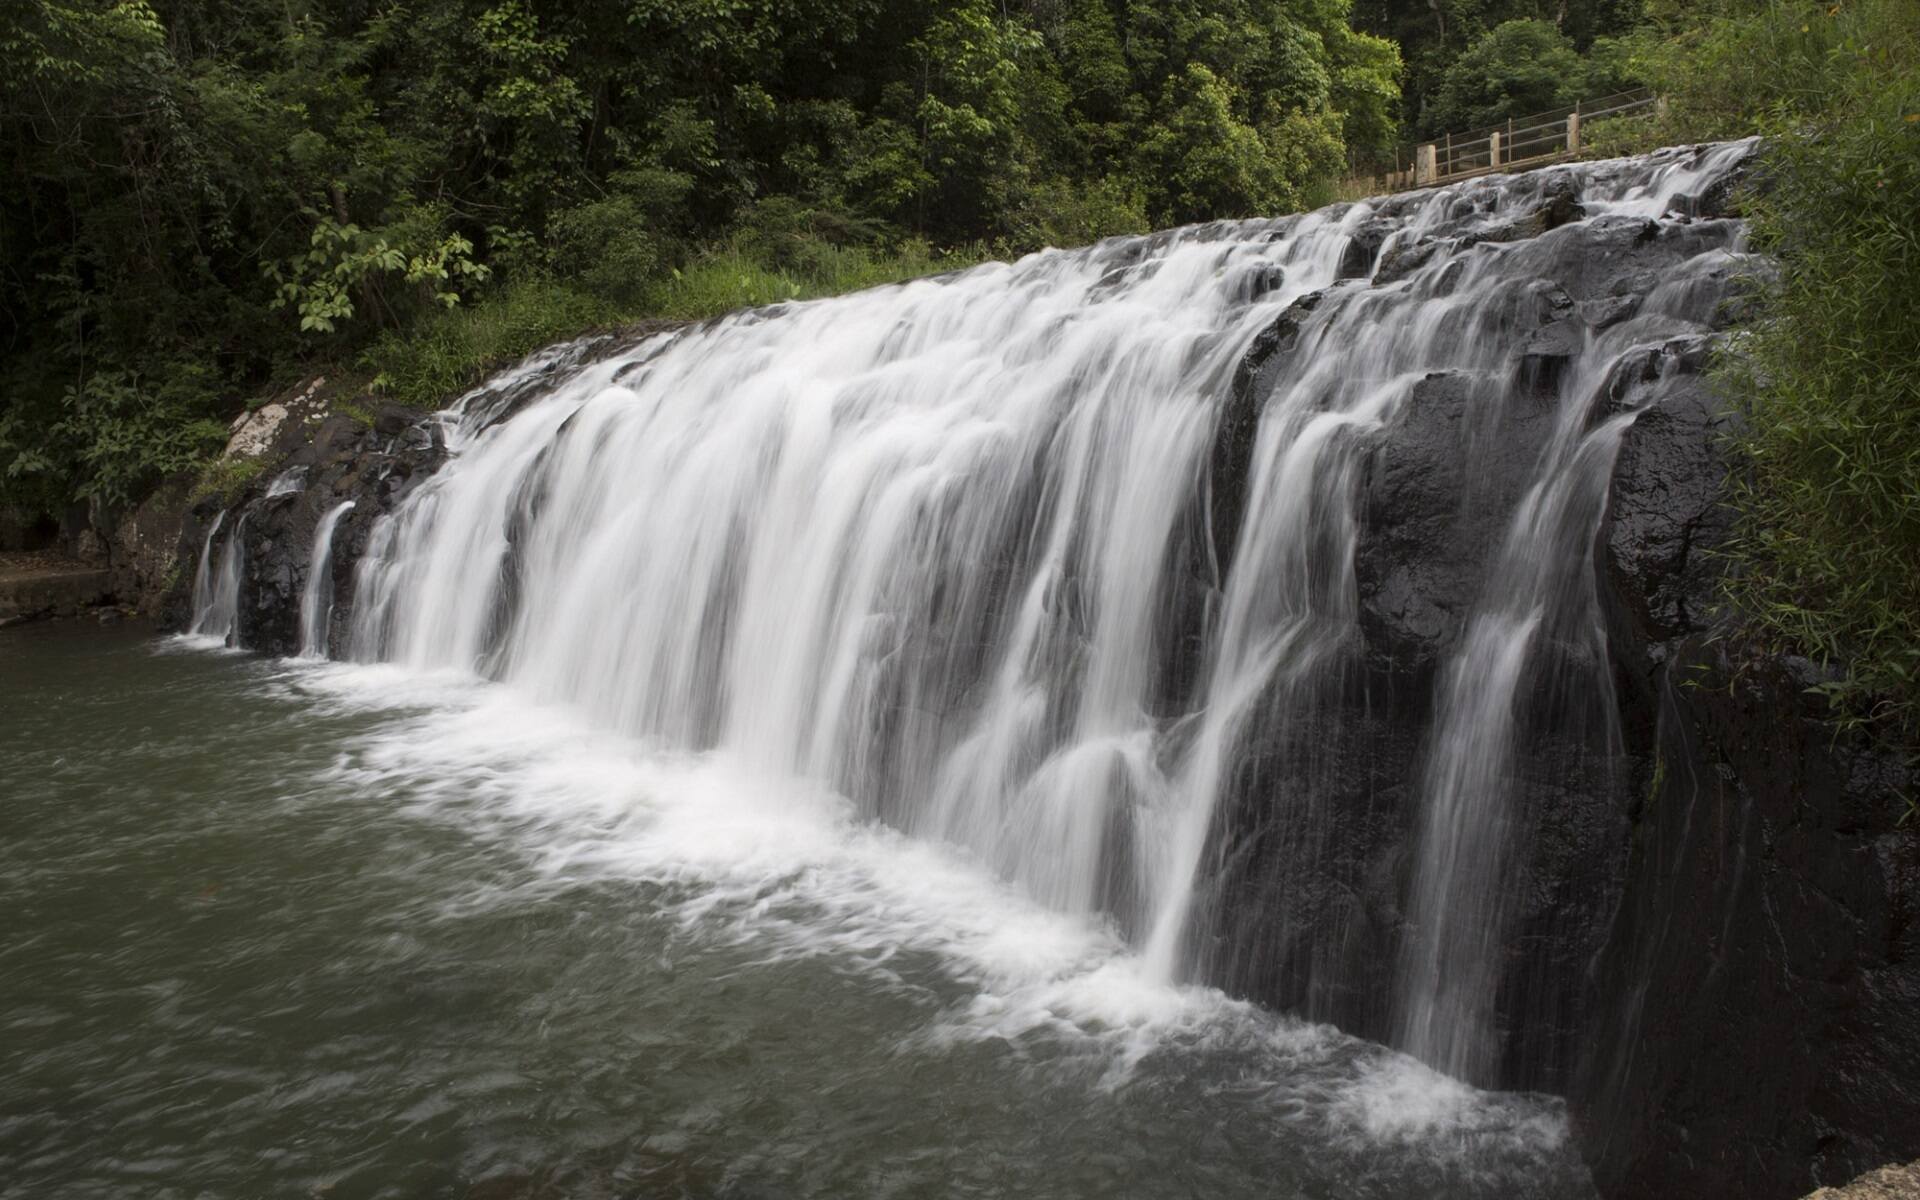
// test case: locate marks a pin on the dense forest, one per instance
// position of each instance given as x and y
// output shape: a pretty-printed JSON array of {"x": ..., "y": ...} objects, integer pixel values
[{"x": 209, "y": 197}]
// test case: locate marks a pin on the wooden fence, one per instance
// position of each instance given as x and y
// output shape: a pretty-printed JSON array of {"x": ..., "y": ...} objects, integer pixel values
[{"x": 1516, "y": 145}]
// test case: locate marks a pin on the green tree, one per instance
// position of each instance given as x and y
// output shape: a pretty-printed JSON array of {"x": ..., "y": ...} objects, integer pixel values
[
  {"x": 1517, "y": 69},
  {"x": 1203, "y": 161},
  {"x": 208, "y": 196}
]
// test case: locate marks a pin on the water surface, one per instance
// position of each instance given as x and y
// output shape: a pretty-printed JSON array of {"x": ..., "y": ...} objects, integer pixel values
[{"x": 294, "y": 929}]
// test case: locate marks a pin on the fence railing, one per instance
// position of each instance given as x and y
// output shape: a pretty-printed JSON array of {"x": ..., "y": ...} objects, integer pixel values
[{"x": 1513, "y": 145}]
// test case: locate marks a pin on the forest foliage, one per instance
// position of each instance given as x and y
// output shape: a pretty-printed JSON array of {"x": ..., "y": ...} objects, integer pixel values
[
  {"x": 209, "y": 197},
  {"x": 206, "y": 195},
  {"x": 1827, "y": 378}
]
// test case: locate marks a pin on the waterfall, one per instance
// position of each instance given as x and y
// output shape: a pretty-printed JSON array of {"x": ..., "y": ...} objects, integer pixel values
[
  {"x": 287, "y": 483},
  {"x": 316, "y": 598},
  {"x": 203, "y": 574},
  {"x": 1055, "y": 561},
  {"x": 1542, "y": 586},
  {"x": 925, "y": 544},
  {"x": 216, "y": 585}
]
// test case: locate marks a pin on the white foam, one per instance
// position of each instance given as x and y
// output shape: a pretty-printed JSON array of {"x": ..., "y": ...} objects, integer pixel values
[{"x": 785, "y": 868}]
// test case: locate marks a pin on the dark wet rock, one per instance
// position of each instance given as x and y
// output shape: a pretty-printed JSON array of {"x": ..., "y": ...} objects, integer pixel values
[
  {"x": 1233, "y": 439},
  {"x": 1544, "y": 356},
  {"x": 1403, "y": 260},
  {"x": 1754, "y": 1029},
  {"x": 1558, "y": 204},
  {"x": 1439, "y": 496},
  {"x": 1303, "y": 911},
  {"x": 1261, "y": 279},
  {"x": 1745, "y": 298},
  {"x": 1415, "y": 576},
  {"x": 1725, "y": 197},
  {"x": 1695, "y": 893},
  {"x": 334, "y": 456},
  {"x": 1608, "y": 311},
  {"x": 1363, "y": 247},
  {"x": 392, "y": 420},
  {"x": 1751, "y": 1029}
]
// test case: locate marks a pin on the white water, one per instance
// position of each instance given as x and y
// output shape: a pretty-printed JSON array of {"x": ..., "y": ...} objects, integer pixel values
[
  {"x": 287, "y": 483},
  {"x": 928, "y": 551},
  {"x": 216, "y": 585},
  {"x": 1469, "y": 834},
  {"x": 735, "y": 857},
  {"x": 316, "y": 596}
]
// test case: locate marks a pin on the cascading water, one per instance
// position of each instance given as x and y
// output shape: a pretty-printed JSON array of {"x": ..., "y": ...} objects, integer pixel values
[
  {"x": 287, "y": 483},
  {"x": 203, "y": 573},
  {"x": 915, "y": 544},
  {"x": 1541, "y": 587},
  {"x": 316, "y": 597},
  {"x": 216, "y": 584},
  {"x": 1044, "y": 559}
]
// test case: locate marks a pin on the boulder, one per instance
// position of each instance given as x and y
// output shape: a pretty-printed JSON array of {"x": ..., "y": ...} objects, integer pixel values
[{"x": 1887, "y": 1183}]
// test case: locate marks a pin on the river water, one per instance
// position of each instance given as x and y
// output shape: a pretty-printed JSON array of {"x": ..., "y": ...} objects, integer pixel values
[{"x": 283, "y": 928}]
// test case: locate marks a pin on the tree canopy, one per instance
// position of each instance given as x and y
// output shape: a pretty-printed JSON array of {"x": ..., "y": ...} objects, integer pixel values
[{"x": 205, "y": 194}]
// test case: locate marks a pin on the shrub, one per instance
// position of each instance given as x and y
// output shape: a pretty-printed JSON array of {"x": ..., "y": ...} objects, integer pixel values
[
  {"x": 113, "y": 435},
  {"x": 448, "y": 352},
  {"x": 226, "y": 478},
  {"x": 1828, "y": 378},
  {"x": 1517, "y": 69}
]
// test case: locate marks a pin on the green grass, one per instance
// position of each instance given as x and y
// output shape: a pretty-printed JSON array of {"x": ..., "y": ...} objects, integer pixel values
[
  {"x": 729, "y": 278},
  {"x": 1827, "y": 379},
  {"x": 443, "y": 355},
  {"x": 226, "y": 478},
  {"x": 448, "y": 352}
]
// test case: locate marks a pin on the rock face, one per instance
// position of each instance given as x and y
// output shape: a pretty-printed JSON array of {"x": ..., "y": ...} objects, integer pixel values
[
  {"x": 1715, "y": 957},
  {"x": 319, "y": 453},
  {"x": 1888, "y": 1183},
  {"x": 40, "y": 585},
  {"x": 1308, "y": 912},
  {"x": 1755, "y": 1004}
]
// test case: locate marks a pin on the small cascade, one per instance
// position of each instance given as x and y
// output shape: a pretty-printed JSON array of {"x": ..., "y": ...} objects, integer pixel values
[
  {"x": 316, "y": 598},
  {"x": 1536, "y": 635},
  {"x": 216, "y": 585},
  {"x": 203, "y": 573},
  {"x": 287, "y": 483},
  {"x": 1215, "y": 581}
]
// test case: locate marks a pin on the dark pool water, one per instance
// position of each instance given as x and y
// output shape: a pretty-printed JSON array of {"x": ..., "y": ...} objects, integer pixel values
[{"x": 271, "y": 930}]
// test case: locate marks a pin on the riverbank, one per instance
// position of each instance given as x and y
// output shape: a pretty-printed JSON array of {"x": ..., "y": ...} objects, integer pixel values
[{"x": 39, "y": 584}]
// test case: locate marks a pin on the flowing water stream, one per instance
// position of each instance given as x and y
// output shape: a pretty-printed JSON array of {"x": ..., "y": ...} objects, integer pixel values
[
  {"x": 930, "y": 547},
  {"x": 316, "y": 598}
]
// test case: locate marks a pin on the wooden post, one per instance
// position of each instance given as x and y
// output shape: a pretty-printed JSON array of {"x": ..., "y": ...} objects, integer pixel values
[
  {"x": 1448, "y": 169},
  {"x": 1493, "y": 148},
  {"x": 1573, "y": 130},
  {"x": 1426, "y": 166}
]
